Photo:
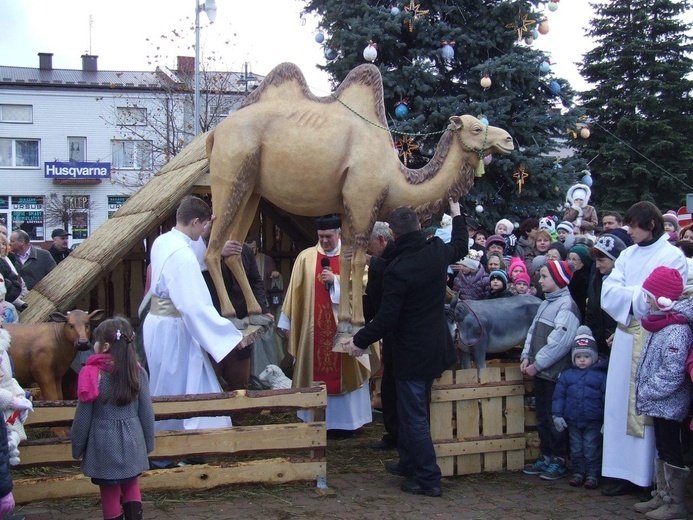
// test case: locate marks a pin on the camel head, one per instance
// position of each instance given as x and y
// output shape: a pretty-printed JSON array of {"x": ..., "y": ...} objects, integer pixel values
[{"x": 479, "y": 138}]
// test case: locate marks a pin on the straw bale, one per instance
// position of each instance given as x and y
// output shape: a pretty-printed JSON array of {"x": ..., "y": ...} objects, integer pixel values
[
  {"x": 195, "y": 151},
  {"x": 114, "y": 238},
  {"x": 39, "y": 309},
  {"x": 162, "y": 194}
]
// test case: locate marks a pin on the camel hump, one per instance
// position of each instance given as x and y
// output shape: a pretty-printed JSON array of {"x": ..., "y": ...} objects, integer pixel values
[
  {"x": 362, "y": 90},
  {"x": 280, "y": 81}
]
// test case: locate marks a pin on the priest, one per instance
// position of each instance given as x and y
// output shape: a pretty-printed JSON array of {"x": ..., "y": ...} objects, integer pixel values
[{"x": 309, "y": 320}]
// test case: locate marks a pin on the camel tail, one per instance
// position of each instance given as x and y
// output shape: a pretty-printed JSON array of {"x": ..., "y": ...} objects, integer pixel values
[{"x": 210, "y": 143}]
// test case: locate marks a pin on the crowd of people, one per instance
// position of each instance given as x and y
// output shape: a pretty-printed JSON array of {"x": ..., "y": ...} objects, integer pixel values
[
  {"x": 626, "y": 285},
  {"x": 608, "y": 348}
]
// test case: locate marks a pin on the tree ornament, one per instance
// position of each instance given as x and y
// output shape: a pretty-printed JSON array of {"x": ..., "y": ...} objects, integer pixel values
[
  {"x": 370, "y": 53},
  {"x": 485, "y": 81},
  {"x": 521, "y": 24},
  {"x": 406, "y": 146},
  {"x": 555, "y": 87},
  {"x": 319, "y": 37},
  {"x": 401, "y": 109},
  {"x": 586, "y": 178},
  {"x": 520, "y": 175},
  {"x": 330, "y": 53},
  {"x": 482, "y": 119},
  {"x": 415, "y": 11},
  {"x": 448, "y": 50},
  {"x": 535, "y": 34},
  {"x": 543, "y": 27},
  {"x": 529, "y": 39},
  {"x": 479, "y": 209},
  {"x": 553, "y": 6},
  {"x": 545, "y": 66},
  {"x": 394, "y": 10},
  {"x": 557, "y": 164},
  {"x": 585, "y": 132},
  {"x": 488, "y": 159}
]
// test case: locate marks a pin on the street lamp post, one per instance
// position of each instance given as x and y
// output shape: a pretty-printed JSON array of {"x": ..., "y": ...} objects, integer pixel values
[{"x": 209, "y": 7}]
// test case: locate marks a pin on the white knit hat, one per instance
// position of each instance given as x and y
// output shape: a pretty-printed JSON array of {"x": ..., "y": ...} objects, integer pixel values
[
  {"x": 585, "y": 344},
  {"x": 473, "y": 259}
]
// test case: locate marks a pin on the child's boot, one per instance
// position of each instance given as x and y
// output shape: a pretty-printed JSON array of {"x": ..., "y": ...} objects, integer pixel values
[
  {"x": 674, "y": 507},
  {"x": 132, "y": 510},
  {"x": 658, "y": 493}
]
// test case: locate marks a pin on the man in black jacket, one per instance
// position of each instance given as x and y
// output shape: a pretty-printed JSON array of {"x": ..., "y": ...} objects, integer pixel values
[
  {"x": 412, "y": 311},
  {"x": 381, "y": 245}
]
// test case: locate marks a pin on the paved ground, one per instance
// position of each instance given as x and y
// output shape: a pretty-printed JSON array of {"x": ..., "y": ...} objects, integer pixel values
[{"x": 362, "y": 489}]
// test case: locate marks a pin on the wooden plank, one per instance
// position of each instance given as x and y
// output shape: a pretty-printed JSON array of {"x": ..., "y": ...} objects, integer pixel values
[
  {"x": 61, "y": 413},
  {"x": 479, "y": 446},
  {"x": 184, "y": 443},
  {"x": 481, "y": 392},
  {"x": 441, "y": 424},
  {"x": 514, "y": 420},
  {"x": 491, "y": 417},
  {"x": 467, "y": 413},
  {"x": 203, "y": 476}
]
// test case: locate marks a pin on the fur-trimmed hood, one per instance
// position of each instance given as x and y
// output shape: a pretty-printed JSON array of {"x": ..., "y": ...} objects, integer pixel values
[
  {"x": 4, "y": 340},
  {"x": 571, "y": 190}
]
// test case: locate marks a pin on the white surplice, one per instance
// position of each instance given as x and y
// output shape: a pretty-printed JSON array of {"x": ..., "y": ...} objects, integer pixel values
[
  {"x": 177, "y": 347},
  {"x": 625, "y": 456}
]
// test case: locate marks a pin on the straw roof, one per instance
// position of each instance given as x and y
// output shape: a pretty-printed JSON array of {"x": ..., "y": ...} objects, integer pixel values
[{"x": 75, "y": 276}]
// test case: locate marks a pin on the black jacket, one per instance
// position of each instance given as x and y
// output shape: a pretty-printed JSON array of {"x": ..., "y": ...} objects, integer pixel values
[
  {"x": 234, "y": 290},
  {"x": 373, "y": 295},
  {"x": 598, "y": 320},
  {"x": 12, "y": 282},
  {"x": 412, "y": 306},
  {"x": 5, "y": 475}
]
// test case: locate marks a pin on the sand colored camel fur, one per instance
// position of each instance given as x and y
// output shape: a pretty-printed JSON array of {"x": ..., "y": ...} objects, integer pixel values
[{"x": 312, "y": 156}]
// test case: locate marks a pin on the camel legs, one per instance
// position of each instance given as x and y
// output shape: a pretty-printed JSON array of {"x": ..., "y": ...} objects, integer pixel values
[
  {"x": 235, "y": 262},
  {"x": 345, "y": 281},
  {"x": 228, "y": 198}
]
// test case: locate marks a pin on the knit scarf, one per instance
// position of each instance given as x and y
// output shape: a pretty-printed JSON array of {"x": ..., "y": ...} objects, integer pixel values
[
  {"x": 88, "y": 382},
  {"x": 656, "y": 321}
]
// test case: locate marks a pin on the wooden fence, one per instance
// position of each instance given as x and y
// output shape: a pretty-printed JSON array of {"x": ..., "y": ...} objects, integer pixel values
[
  {"x": 478, "y": 421},
  {"x": 270, "y": 453}
]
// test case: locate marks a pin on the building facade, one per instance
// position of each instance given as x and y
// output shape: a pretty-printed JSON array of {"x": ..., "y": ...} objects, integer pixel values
[{"x": 75, "y": 144}]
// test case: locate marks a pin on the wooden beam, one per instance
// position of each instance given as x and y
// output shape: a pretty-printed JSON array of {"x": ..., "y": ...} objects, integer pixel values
[
  {"x": 218, "y": 441},
  {"x": 468, "y": 447},
  {"x": 464, "y": 394},
  {"x": 274, "y": 471}
]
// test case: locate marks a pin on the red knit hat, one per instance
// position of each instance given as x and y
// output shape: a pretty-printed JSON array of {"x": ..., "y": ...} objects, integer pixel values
[
  {"x": 522, "y": 277},
  {"x": 665, "y": 285},
  {"x": 560, "y": 271}
]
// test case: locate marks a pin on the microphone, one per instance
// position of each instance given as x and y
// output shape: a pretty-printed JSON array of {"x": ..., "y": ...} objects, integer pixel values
[{"x": 325, "y": 263}]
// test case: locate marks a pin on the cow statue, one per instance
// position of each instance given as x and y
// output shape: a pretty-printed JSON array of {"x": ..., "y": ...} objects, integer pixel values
[
  {"x": 490, "y": 326},
  {"x": 43, "y": 352}
]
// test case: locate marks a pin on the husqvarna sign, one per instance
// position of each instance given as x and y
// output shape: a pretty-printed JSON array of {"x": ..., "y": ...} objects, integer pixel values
[{"x": 77, "y": 170}]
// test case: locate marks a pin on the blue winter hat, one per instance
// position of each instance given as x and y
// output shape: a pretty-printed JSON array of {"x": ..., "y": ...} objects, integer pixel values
[{"x": 499, "y": 275}]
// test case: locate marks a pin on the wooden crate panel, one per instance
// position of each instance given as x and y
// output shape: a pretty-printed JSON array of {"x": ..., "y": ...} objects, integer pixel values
[
  {"x": 487, "y": 414},
  {"x": 306, "y": 442}
]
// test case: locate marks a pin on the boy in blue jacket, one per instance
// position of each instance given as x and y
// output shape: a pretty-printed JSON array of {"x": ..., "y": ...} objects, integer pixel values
[{"x": 578, "y": 403}]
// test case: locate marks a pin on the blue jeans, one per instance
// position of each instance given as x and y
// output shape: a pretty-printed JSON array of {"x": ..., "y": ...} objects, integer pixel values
[
  {"x": 415, "y": 446},
  {"x": 586, "y": 449},
  {"x": 552, "y": 443}
]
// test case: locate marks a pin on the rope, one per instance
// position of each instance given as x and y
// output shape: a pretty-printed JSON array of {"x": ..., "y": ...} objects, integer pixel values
[
  {"x": 395, "y": 132},
  {"x": 481, "y": 328}
]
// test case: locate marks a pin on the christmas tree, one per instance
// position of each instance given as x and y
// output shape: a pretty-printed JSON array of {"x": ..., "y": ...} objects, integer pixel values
[
  {"x": 442, "y": 58},
  {"x": 641, "y": 104}
]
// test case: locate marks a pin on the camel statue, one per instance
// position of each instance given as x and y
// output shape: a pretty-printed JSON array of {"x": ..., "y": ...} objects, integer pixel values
[{"x": 312, "y": 156}]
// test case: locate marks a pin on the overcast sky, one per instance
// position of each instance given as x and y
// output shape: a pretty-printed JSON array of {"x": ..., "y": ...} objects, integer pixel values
[{"x": 262, "y": 33}]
